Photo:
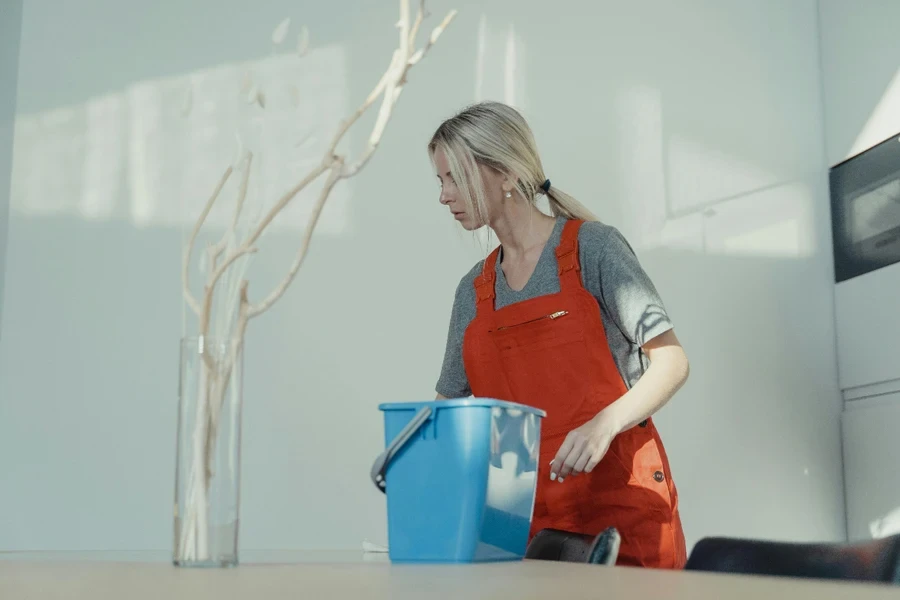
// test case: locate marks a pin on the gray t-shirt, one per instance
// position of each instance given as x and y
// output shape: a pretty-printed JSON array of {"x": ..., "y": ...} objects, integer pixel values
[{"x": 630, "y": 307}]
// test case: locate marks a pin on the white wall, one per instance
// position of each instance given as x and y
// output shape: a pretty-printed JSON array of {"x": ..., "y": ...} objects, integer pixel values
[
  {"x": 697, "y": 130},
  {"x": 10, "y": 28},
  {"x": 860, "y": 74},
  {"x": 861, "y": 89}
]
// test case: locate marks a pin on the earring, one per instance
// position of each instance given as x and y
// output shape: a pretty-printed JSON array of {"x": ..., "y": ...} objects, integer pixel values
[{"x": 508, "y": 194}]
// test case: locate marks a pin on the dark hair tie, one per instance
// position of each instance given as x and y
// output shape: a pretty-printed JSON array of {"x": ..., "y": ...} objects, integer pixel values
[{"x": 546, "y": 186}]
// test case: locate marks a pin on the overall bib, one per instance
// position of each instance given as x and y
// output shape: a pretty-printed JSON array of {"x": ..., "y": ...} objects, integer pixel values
[{"x": 551, "y": 353}]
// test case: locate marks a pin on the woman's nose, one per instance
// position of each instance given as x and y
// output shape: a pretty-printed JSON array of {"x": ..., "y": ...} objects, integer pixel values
[{"x": 445, "y": 198}]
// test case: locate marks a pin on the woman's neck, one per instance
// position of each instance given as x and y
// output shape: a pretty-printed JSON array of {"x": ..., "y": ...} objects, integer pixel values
[{"x": 521, "y": 227}]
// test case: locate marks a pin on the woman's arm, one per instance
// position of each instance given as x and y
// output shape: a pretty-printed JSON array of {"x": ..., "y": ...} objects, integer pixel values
[
  {"x": 586, "y": 446},
  {"x": 669, "y": 369},
  {"x": 453, "y": 381},
  {"x": 614, "y": 275}
]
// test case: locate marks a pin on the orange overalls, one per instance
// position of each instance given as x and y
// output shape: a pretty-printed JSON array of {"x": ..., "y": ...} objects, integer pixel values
[{"x": 551, "y": 352}]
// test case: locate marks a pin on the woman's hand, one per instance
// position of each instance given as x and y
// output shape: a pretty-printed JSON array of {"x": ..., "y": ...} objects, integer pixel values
[{"x": 584, "y": 447}]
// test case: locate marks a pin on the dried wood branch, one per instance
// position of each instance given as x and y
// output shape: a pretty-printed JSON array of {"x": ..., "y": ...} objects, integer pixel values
[
  {"x": 421, "y": 14},
  {"x": 395, "y": 80},
  {"x": 220, "y": 246},
  {"x": 186, "y": 262},
  {"x": 390, "y": 85},
  {"x": 389, "y": 89},
  {"x": 432, "y": 39},
  {"x": 216, "y": 374},
  {"x": 333, "y": 177}
]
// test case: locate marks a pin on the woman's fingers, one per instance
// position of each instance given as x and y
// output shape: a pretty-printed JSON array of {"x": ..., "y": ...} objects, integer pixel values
[
  {"x": 567, "y": 457},
  {"x": 583, "y": 461},
  {"x": 558, "y": 462}
]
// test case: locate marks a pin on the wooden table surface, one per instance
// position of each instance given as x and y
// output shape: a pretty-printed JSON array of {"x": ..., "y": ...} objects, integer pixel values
[{"x": 372, "y": 577}]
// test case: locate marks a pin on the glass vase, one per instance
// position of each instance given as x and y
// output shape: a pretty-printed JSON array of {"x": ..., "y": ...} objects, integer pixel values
[{"x": 207, "y": 464}]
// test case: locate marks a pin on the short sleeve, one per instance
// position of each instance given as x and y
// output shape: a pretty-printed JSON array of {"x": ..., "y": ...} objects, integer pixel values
[
  {"x": 453, "y": 381},
  {"x": 625, "y": 290}
]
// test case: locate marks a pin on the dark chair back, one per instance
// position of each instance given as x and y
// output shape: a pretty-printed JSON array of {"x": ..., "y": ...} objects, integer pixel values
[
  {"x": 875, "y": 561},
  {"x": 566, "y": 546}
]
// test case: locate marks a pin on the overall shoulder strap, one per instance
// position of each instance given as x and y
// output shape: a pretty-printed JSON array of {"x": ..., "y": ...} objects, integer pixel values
[
  {"x": 567, "y": 260},
  {"x": 484, "y": 284}
]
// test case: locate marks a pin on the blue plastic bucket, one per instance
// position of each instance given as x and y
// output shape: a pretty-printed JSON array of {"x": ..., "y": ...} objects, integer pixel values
[{"x": 460, "y": 478}]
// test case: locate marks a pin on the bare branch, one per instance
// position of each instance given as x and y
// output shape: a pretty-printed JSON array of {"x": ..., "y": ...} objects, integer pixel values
[
  {"x": 212, "y": 256},
  {"x": 390, "y": 86},
  {"x": 392, "y": 92},
  {"x": 186, "y": 261},
  {"x": 287, "y": 197},
  {"x": 348, "y": 123},
  {"x": 263, "y": 306},
  {"x": 223, "y": 377},
  {"x": 405, "y": 42},
  {"x": 206, "y": 311},
  {"x": 242, "y": 194},
  {"x": 420, "y": 16},
  {"x": 247, "y": 246},
  {"x": 220, "y": 246},
  {"x": 435, "y": 34},
  {"x": 243, "y": 315}
]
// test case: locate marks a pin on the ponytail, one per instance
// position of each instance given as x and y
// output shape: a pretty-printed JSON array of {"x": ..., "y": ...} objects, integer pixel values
[{"x": 564, "y": 205}]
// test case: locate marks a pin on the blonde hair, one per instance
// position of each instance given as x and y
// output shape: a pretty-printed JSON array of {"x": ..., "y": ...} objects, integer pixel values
[{"x": 497, "y": 136}]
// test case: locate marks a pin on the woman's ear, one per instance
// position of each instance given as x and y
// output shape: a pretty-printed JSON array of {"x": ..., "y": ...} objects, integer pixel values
[{"x": 509, "y": 184}]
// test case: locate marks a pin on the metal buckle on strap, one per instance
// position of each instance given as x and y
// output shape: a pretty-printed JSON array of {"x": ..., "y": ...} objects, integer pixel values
[
  {"x": 483, "y": 293},
  {"x": 484, "y": 287},
  {"x": 567, "y": 258}
]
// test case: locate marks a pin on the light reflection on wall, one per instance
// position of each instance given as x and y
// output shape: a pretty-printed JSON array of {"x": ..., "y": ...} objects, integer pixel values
[
  {"x": 699, "y": 174},
  {"x": 685, "y": 194},
  {"x": 886, "y": 526},
  {"x": 499, "y": 75},
  {"x": 152, "y": 153},
  {"x": 641, "y": 157},
  {"x": 885, "y": 118},
  {"x": 499, "y": 64}
]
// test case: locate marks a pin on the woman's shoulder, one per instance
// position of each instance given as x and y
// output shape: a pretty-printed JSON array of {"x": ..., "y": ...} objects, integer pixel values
[
  {"x": 466, "y": 287},
  {"x": 595, "y": 237}
]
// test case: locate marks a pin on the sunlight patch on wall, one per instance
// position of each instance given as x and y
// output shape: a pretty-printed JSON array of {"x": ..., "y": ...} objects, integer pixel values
[
  {"x": 681, "y": 194},
  {"x": 640, "y": 151},
  {"x": 499, "y": 75},
  {"x": 884, "y": 121},
  {"x": 153, "y": 153},
  {"x": 683, "y": 233},
  {"x": 886, "y": 526},
  {"x": 698, "y": 175},
  {"x": 774, "y": 223},
  {"x": 499, "y": 64}
]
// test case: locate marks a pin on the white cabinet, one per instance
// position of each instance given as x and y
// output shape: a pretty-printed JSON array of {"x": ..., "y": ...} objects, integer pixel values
[
  {"x": 867, "y": 313},
  {"x": 871, "y": 436}
]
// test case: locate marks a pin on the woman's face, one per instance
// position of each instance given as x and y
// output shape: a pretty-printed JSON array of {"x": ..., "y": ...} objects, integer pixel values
[{"x": 452, "y": 198}]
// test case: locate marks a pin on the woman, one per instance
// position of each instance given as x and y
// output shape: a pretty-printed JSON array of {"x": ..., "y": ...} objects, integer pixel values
[{"x": 561, "y": 316}]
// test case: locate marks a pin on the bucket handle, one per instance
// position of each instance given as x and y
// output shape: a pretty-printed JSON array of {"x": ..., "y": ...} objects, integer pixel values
[{"x": 379, "y": 468}]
